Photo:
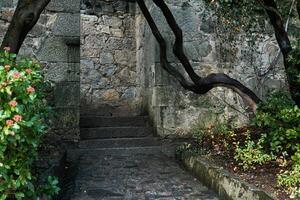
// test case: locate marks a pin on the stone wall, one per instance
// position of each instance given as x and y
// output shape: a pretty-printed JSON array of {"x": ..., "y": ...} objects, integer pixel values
[
  {"x": 109, "y": 81},
  {"x": 120, "y": 73},
  {"x": 174, "y": 110},
  {"x": 54, "y": 41}
]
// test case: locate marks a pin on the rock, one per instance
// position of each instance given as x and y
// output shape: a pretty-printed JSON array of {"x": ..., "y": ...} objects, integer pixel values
[
  {"x": 106, "y": 58},
  {"x": 64, "y": 6},
  {"x": 121, "y": 57},
  {"x": 111, "y": 95},
  {"x": 130, "y": 93},
  {"x": 67, "y": 24},
  {"x": 109, "y": 70},
  {"x": 117, "y": 32}
]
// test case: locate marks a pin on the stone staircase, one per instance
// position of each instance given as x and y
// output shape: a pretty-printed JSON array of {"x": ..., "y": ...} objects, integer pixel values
[
  {"x": 118, "y": 158},
  {"x": 116, "y": 133}
]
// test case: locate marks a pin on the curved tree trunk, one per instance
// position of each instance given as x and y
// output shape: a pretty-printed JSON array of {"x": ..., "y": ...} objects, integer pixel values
[
  {"x": 25, "y": 17},
  {"x": 199, "y": 85}
]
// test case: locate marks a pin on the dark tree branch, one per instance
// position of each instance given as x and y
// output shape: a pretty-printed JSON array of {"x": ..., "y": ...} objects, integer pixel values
[
  {"x": 163, "y": 49},
  {"x": 292, "y": 70},
  {"x": 25, "y": 17},
  {"x": 201, "y": 85},
  {"x": 298, "y": 8},
  {"x": 178, "y": 45},
  {"x": 278, "y": 25}
]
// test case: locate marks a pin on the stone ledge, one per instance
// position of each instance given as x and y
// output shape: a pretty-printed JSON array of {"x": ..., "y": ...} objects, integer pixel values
[{"x": 227, "y": 185}]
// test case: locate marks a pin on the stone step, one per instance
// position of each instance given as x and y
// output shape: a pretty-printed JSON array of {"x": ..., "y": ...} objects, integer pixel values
[
  {"x": 104, "y": 121},
  {"x": 94, "y": 153},
  {"x": 119, "y": 143},
  {"x": 114, "y": 132}
]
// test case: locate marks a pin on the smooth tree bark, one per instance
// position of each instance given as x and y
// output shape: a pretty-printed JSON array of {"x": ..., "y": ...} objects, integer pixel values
[
  {"x": 292, "y": 70},
  {"x": 25, "y": 17},
  {"x": 199, "y": 85}
]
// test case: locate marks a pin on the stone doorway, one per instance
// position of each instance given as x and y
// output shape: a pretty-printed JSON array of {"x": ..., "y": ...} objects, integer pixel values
[{"x": 109, "y": 81}]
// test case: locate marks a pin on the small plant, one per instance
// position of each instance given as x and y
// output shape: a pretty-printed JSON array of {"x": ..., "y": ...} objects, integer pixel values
[
  {"x": 209, "y": 128},
  {"x": 290, "y": 179},
  {"x": 279, "y": 118},
  {"x": 273, "y": 138},
  {"x": 252, "y": 154},
  {"x": 23, "y": 112},
  {"x": 183, "y": 148}
]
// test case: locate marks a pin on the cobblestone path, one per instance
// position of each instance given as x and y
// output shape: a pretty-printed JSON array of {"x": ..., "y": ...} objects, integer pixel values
[{"x": 133, "y": 171}]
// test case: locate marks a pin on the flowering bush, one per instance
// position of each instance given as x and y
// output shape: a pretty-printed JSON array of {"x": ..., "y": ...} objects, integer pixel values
[{"x": 23, "y": 111}]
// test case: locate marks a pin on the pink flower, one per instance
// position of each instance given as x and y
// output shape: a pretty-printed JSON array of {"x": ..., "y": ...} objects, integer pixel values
[
  {"x": 13, "y": 103},
  {"x": 28, "y": 71},
  {"x": 16, "y": 75},
  {"x": 9, "y": 122},
  {"x": 7, "y": 67},
  {"x": 17, "y": 118},
  {"x": 6, "y": 48},
  {"x": 30, "y": 89}
]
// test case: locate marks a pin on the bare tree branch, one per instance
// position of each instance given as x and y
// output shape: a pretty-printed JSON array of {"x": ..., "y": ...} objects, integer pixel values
[
  {"x": 163, "y": 50},
  {"x": 292, "y": 70},
  {"x": 201, "y": 85},
  {"x": 298, "y": 8},
  {"x": 278, "y": 25},
  {"x": 275, "y": 60},
  {"x": 25, "y": 17}
]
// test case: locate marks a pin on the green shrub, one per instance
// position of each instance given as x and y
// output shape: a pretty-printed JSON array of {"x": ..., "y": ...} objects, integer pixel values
[
  {"x": 279, "y": 118},
  {"x": 23, "y": 111},
  {"x": 209, "y": 127},
  {"x": 252, "y": 154},
  {"x": 290, "y": 179}
]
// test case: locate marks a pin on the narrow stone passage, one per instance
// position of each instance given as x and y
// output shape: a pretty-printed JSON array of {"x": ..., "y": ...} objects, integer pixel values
[{"x": 129, "y": 164}]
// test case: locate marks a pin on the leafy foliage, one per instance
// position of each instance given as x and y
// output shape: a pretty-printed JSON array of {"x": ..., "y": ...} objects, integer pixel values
[
  {"x": 291, "y": 178},
  {"x": 279, "y": 118},
  {"x": 272, "y": 140},
  {"x": 23, "y": 112},
  {"x": 252, "y": 154}
]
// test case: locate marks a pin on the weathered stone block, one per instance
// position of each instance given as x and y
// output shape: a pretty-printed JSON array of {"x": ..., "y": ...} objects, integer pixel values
[
  {"x": 3, "y": 28},
  {"x": 67, "y": 24},
  {"x": 67, "y": 94},
  {"x": 163, "y": 96},
  {"x": 160, "y": 76},
  {"x": 112, "y": 21},
  {"x": 87, "y": 52},
  {"x": 37, "y": 30},
  {"x": 67, "y": 117},
  {"x": 54, "y": 49},
  {"x": 109, "y": 70},
  {"x": 72, "y": 6},
  {"x": 121, "y": 57},
  {"x": 117, "y": 32},
  {"x": 59, "y": 72},
  {"x": 197, "y": 49},
  {"x": 88, "y": 28},
  {"x": 6, "y": 3},
  {"x": 93, "y": 76},
  {"x": 86, "y": 65},
  {"x": 6, "y": 14},
  {"x": 129, "y": 94},
  {"x": 106, "y": 95},
  {"x": 106, "y": 58}
]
